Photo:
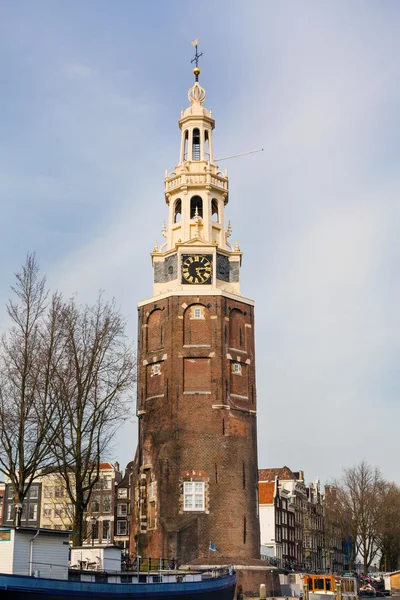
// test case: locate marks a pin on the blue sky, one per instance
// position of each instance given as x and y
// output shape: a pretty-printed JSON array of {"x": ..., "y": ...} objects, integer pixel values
[{"x": 91, "y": 94}]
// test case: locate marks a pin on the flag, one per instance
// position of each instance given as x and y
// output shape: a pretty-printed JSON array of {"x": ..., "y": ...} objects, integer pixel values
[{"x": 212, "y": 547}]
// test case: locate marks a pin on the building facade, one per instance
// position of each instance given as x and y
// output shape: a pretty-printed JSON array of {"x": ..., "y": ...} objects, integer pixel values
[
  {"x": 30, "y": 516},
  {"x": 196, "y": 402},
  {"x": 277, "y": 524},
  {"x": 317, "y": 545},
  {"x": 123, "y": 510}
]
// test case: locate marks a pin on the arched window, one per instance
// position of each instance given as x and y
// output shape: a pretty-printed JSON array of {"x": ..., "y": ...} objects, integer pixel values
[
  {"x": 185, "y": 146},
  {"x": 214, "y": 210},
  {"x": 206, "y": 146},
  {"x": 196, "y": 145},
  {"x": 178, "y": 210},
  {"x": 196, "y": 202}
]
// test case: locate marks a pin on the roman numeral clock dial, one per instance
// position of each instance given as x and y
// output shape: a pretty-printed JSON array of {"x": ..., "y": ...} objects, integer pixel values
[{"x": 197, "y": 268}]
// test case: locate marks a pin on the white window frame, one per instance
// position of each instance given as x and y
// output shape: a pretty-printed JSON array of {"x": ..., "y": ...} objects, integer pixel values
[
  {"x": 197, "y": 312},
  {"x": 47, "y": 510},
  {"x": 122, "y": 492},
  {"x": 121, "y": 524},
  {"x": 122, "y": 512},
  {"x": 194, "y": 496},
  {"x": 152, "y": 490},
  {"x": 103, "y": 503},
  {"x": 236, "y": 368},
  {"x": 156, "y": 370},
  {"x": 34, "y": 508},
  {"x": 59, "y": 491},
  {"x": 10, "y": 512},
  {"x": 34, "y": 493}
]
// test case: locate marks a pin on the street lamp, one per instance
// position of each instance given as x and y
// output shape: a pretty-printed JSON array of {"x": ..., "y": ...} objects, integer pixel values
[{"x": 93, "y": 522}]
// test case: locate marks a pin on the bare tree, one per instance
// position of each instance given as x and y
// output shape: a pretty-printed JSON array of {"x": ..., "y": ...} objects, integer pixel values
[
  {"x": 358, "y": 510},
  {"x": 91, "y": 388},
  {"x": 29, "y": 353},
  {"x": 389, "y": 527}
]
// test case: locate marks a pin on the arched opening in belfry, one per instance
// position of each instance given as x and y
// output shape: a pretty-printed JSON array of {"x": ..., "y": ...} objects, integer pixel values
[
  {"x": 185, "y": 145},
  {"x": 196, "y": 203},
  {"x": 196, "y": 144},
  {"x": 214, "y": 211},
  {"x": 177, "y": 210},
  {"x": 206, "y": 146}
]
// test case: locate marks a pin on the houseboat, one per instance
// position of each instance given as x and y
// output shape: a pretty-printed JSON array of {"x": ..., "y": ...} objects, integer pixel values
[{"x": 37, "y": 563}]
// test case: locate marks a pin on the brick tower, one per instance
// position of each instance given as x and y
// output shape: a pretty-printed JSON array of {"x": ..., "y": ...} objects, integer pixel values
[{"x": 196, "y": 461}]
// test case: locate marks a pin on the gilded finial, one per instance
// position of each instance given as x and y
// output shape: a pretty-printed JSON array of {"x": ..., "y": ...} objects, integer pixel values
[
  {"x": 237, "y": 249},
  {"x": 155, "y": 246},
  {"x": 229, "y": 230},
  {"x": 164, "y": 229}
]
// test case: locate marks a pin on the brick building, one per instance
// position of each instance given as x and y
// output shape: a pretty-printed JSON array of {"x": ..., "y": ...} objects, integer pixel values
[
  {"x": 277, "y": 524},
  {"x": 195, "y": 470},
  {"x": 123, "y": 509},
  {"x": 100, "y": 514}
]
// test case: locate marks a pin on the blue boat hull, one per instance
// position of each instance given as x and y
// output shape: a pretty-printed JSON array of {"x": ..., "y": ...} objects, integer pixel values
[{"x": 15, "y": 587}]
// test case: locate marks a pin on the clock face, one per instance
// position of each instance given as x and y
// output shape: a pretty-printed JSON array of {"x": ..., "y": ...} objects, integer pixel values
[{"x": 196, "y": 268}]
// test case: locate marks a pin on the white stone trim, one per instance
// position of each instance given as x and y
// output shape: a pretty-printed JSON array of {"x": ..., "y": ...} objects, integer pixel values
[{"x": 198, "y": 292}]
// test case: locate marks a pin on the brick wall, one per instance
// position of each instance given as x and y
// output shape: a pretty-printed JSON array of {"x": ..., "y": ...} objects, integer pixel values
[{"x": 213, "y": 434}]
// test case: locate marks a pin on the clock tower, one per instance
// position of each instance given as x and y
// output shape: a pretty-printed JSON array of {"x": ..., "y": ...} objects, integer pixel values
[{"x": 196, "y": 461}]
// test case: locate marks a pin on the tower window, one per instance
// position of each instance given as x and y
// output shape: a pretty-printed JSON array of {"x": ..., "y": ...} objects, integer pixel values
[
  {"x": 193, "y": 495},
  {"x": 197, "y": 312},
  {"x": 196, "y": 144},
  {"x": 236, "y": 368},
  {"x": 214, "y": 210},
  {"x": 206, "y": 146},
  {"x": 196, "y": 202},
  {"x": 185, "y": 147},
  {"x": 155, "y": 370},
  {"x": 178, "y": 210}
]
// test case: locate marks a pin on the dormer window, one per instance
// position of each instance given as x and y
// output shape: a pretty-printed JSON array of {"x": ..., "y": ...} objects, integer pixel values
[
  {"x": 196, "y": 202},
  {"x": 196, "y": 145}
]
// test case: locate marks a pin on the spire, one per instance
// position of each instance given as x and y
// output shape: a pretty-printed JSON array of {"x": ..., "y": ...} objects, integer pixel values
[{"x": 196, "y": 191}]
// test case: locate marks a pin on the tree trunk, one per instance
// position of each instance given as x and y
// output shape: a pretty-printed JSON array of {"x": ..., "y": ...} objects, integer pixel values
[{"x": 77, "y": 537}]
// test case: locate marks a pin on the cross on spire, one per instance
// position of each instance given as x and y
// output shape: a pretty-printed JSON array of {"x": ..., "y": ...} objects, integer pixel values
[{"x": 195, "y": 60}]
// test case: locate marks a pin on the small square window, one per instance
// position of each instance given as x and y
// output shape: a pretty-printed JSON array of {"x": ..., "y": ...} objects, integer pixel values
[
  {"x": 197, "y": 312},
  {"x": 156, "y": 370},
  {"x": 236, "y": 368}
]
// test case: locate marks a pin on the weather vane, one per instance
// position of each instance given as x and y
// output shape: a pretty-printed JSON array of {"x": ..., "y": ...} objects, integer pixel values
[{"x": 195, "y": 60}]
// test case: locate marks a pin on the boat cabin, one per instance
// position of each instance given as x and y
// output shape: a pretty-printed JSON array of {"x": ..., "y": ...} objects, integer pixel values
[
  {"x": 31, "y": 551},
  {"x": 320, "y": 584},
  {"x": 96, "y": 558}
]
